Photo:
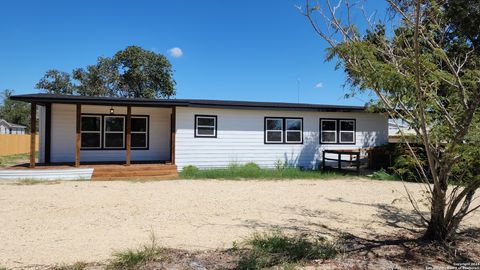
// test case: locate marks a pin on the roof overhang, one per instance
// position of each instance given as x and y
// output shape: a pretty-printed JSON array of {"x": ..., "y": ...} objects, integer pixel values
[{"x": 43, "y": 99}]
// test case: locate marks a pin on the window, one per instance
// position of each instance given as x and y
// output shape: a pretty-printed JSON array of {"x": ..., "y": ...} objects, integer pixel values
[
  {"x": 206, "y": 126},
  {"x": 328, "y": 129},
  {"x": 337, "y": 131},
  {"x": 347, "y": 131},
  {"x": 273, "y": 130},
  {"x": 283, "y": 130},
  {"x": 293, "y": 130},
  {"x": 114, "y": 135},
  {"x": 91, "y": 131},
  {"x": 139, "y": 132}
]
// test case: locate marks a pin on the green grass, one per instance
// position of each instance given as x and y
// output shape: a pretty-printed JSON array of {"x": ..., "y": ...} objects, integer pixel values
[
  {"x": 383, "y": 175},
  {"x": 278, "y": 249},
  {"x": 75, "y": 266},
  {"x": 134, "y": 258},
  {"x": 31, "y": 182},
  {"x": 11, "y": 160},
  {"x": 253, "y": 171}
]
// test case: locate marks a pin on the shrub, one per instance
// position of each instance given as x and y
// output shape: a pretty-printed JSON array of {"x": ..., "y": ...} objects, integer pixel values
[
  {"x": 276, "y": 248},
  {"x": 251, "y": 166},
  {"x": 383, "y": 175},
  {"x": 190, "y": 170}
]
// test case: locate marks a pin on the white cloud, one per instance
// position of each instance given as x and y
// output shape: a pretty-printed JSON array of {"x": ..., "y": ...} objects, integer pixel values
[
  {"x": 319, "y": 85},
  {"x": 175, "y": 52}
]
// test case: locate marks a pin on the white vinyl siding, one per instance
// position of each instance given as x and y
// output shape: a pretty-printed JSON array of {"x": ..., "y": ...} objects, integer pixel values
[
  {"x": 63, "y": 135},
  {"x": 241, "y": 137}
]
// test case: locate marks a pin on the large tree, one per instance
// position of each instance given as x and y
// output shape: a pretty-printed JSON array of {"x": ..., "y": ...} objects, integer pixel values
[
  {"x": 12, "y": 111},
  {"x": 423, "y": 64},
  {"x": 132, "y": 72}
]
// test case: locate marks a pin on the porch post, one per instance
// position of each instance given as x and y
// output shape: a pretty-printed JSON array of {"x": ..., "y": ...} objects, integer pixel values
[
  {"x": 33, "y": 133},
  {"x": 129, "y": 135},
  {"x": 78, "y": 138},
  {"x": 172, "y": 134}
]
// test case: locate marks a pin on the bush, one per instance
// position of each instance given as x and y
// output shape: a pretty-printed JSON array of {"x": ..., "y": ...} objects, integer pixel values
[
  {"x": 383, "y": 175},
  {"x": 190, "y": 170},
  {"x": 276, "y": 248}
]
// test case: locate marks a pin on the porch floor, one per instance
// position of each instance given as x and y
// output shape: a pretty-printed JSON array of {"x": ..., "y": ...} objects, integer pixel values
[{"x": 116, "y": 170}]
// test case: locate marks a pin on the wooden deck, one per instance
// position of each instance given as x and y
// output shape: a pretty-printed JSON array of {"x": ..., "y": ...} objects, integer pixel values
[{"x": 116, "y": 171}]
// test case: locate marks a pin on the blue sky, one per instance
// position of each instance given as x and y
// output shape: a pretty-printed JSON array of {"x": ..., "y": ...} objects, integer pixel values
[{"x": 235, "y": 50}]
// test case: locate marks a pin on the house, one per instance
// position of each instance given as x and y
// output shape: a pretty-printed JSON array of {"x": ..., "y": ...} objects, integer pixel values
[
  {"x": 204, "y": 133},
  {"x": 9, "y": 128}
]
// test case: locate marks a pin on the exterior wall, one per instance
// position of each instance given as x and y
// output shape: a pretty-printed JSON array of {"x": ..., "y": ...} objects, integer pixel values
[
  {"x": 63, "y": 134},
  {"x": 240, "y": 137},
  {"x": 4, "y": 129}
]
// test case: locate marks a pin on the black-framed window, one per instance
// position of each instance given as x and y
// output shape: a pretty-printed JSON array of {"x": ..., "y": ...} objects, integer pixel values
[
  {"x": 108, "y": 132},
  {"x": 114, "y": 132},
  {"x": 337, "y": 131},
  {"x": 283, "y": 130},
  {"x": 91, "y": 131},
  {"x": 206, "y": 126},
  {"x": 139, "y": 132}
]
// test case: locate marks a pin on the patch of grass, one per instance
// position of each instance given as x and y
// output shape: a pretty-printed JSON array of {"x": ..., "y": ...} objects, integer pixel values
[
  {"x": 75, "y": 266},
  {"x": 278, "y": 249},
  {"x": 253, "y": 171},
  {"x": 11, "y": 160},
  {"x": 3, "y": 268},
  {"x": 30, "y": 182},
  {"x": 134, "y": 259},
  {"x": 383, "y": 175}
]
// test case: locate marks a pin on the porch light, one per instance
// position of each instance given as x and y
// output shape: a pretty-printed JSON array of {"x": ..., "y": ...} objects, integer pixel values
[{"x": 112, "y": 111}]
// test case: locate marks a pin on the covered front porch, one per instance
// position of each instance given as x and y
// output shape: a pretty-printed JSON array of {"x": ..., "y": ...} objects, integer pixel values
[{"x": 117, "y": 141}]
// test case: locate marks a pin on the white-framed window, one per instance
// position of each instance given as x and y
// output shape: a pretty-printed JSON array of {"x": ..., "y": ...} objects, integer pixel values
[
  {"x": 347, "y": 130},
  {"x": 273, "y": 130},
  {"x": 114, "y": 134},
  {"x": 293, "y": 130},
  {"x": 91, "y": 131},
  {"x": 139, "y": 131},
  {"x": 328, "y": 131},
  {"x": 206, "y": 126}
]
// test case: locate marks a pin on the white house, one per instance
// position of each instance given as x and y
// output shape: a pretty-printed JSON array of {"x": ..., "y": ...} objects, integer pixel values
[
  {"x": 9, "y": 128},
  {"x": 204, "y": 133}
]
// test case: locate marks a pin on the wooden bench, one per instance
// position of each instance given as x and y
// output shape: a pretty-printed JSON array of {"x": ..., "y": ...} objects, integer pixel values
[{"x": 339, "y": 160}]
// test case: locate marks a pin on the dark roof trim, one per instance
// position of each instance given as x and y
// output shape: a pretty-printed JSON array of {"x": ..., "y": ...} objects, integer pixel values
[{"x": 198, "y": 103}]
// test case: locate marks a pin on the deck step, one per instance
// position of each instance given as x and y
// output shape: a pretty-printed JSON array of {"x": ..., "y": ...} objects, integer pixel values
[{"x": 110, "y": 172}]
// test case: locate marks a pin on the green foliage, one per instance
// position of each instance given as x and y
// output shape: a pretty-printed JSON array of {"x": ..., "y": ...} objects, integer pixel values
[
  {"x": 134, "y": 259},
  {"x": 383, "y": 175},
  {"x": 276, "y": 248},
  {"x": 15, "y": 112},
  {"x": 133, "y": 72},
  {"x": 75, "y": 266},
  {"x": 253, "y": 171},
  {"x": 11, "y": 160}
]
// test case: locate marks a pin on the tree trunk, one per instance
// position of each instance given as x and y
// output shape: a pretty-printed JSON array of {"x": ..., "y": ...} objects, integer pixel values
[{"x": 437, "y": 226}]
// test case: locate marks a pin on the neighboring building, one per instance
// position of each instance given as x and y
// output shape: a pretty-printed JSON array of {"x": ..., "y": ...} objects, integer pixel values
[
  {"x": 9, "y": 128},
  {"x": 204, "y": 133}
]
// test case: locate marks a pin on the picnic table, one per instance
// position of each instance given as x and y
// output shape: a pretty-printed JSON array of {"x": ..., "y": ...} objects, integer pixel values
[{"x": 339, "y": 153}]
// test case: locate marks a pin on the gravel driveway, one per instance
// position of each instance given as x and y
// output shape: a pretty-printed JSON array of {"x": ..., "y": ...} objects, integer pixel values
[{"x": 86, "y": 221}]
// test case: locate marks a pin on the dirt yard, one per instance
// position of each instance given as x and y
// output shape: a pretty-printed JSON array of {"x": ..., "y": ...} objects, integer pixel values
[{"x": 68, "y": 222}]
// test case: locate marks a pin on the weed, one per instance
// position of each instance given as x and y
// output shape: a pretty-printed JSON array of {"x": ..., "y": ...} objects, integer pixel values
[
  {"x": 75, "y": 266},
  {"x": 383, "y": 175},
  {"x": 30, "y": 182},
  {"x": 133, "y": 259},
  {"x": 278, "y": 249}
]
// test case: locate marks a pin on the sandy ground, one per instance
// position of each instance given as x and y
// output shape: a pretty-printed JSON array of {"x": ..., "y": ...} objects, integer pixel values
[{"x": 87, "y": 221}]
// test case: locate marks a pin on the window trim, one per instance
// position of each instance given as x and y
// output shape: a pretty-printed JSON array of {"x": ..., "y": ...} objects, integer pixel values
[
  {"x": 337, "y": 131},
  {"x": 89, "y": 131},
  {"x": 284, "y": 130},
  {"x": 105, "y": 132},
  {"x": 146, "y": 132},
  {"x": 354, "y": 131},
  {"x": 215, "y": 126},
  {"x": 125, "y": 137}
]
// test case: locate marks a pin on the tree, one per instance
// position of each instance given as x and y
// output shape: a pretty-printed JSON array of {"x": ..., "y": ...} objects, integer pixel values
[
  {"x": 132, "y": 72},
  {"x": 56, "y": 82},
  {"x": 424, "y": 69},
  {"x": 16, "y": 112}
]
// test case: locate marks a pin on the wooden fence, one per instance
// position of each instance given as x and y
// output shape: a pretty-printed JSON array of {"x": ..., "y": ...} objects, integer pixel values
[{"x": 13, "y": 144}]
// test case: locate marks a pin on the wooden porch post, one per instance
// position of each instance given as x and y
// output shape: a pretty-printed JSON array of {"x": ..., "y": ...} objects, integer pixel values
[
  {"x": 78, "y": 138},
  {"x": 33, "y": 133},
  {"x": 129, "y": 135},
  {"x": 172, "y": 135}
]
